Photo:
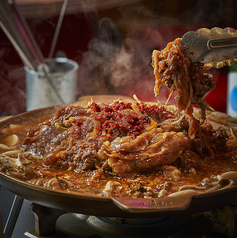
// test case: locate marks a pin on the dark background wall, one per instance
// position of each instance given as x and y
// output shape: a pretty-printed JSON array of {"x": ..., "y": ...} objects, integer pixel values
[{"x": 112, "y": 41}]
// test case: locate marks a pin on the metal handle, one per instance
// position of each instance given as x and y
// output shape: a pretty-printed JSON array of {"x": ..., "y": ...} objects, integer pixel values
[
  {"x": 222, "y": 43},
  {"x": 140, "y": 205}
]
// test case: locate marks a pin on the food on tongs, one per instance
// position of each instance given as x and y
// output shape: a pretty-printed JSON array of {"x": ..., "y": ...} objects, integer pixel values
[
  {"x": 177, "y": 71},
  {"x": 180, "y": 66},
  {"x": 130, "y": 149}
]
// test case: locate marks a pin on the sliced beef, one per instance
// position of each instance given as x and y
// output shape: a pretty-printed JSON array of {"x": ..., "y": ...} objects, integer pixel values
[{"x": 148, "y": 151}]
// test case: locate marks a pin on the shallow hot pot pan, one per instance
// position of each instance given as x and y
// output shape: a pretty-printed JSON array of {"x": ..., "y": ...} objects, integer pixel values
[{"x": 110, "y": 207}]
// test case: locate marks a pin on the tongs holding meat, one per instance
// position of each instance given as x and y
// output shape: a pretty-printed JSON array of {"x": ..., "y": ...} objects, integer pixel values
[{"x": 214, "y": 47}]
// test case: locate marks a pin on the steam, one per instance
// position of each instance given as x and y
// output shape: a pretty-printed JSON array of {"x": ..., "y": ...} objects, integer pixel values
[
  {"x": 12, "y": 85},
  {"x": 118, "y": 60},
  {"x": 114, "y": 65}
]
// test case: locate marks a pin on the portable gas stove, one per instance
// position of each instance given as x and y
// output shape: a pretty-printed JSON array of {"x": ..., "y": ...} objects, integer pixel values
[
  {"x": 36, "y": 221},
  {"x": 78, "y": 225}
]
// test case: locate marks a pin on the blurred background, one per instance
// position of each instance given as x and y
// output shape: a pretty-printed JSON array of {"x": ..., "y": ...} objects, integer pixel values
[{"x": 112, "y": 41}]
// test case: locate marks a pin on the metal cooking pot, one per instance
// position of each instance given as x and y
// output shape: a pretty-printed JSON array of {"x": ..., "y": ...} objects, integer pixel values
[{"x": 91, "y": 204}]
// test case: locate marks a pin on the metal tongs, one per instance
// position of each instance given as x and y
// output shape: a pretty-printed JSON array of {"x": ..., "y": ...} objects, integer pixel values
[{"x": 214, "y": 47}]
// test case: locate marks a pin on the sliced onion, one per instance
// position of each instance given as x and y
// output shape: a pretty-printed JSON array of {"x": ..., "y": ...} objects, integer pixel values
[
  {"x": 136, "y": 98},
  {"x": 135, "y": 109},
  {"x": 12, "y": 153},
  {"x": 171, "y": 92},
  {"x": 97, "y": 126},
  {"x": 4, "y": 148},
  {"x": 188, "y": 104},
  {"x": 152, "y": 125}
]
